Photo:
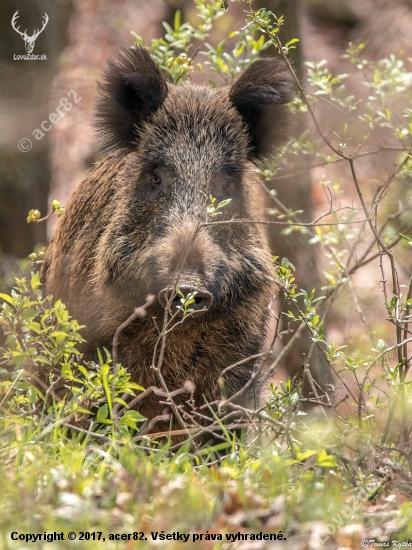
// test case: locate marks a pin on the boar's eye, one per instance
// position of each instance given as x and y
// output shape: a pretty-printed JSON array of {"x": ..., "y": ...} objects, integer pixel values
[
  {"x": 226, "y": 184},
  {"x": 156, "y": 178}
]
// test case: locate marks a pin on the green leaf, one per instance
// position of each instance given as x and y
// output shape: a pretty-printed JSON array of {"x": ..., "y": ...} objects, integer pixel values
[
  {"x": 224, "y": 203},
  {"x": 29, "y": 314},
  {"x": 407, "y": 239},
  {"x": 59, "y": 334},
  {"x": 177, "y": 20},
  {"x": 43, "y": 360},
  {"x": 7, "y": 298},
  {"x": 134, "y": 386},
  {"x": 326, "y": 461},
  {"x": 305, "y": 454},
  {"x": 239, "y": 50},
  {"x": 131, "y": 418},
  {"x": 102, "y": 413},
  {"x": 293, "y": 41},
  {"x": 35, "y": 280}
]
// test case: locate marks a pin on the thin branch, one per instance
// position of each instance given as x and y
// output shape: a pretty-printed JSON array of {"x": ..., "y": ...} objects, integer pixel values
[{"x": 138, "y": 312}]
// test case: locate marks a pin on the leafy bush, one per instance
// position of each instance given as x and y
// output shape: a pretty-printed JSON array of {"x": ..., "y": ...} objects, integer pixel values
[{"x": 43, "y": 373}]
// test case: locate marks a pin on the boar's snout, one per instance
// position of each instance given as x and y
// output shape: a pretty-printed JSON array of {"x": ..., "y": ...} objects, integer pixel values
[{"x": 203, "y": 299}]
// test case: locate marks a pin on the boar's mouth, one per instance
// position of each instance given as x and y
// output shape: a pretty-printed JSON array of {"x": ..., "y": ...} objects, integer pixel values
[{"x": 186, "y": 300}]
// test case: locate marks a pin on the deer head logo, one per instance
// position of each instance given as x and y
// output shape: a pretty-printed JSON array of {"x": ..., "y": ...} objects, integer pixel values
[{"x": 29, "y": 41}]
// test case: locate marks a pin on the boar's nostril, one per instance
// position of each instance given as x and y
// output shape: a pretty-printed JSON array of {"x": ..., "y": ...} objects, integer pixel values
[{"x": 202, "y": 300}]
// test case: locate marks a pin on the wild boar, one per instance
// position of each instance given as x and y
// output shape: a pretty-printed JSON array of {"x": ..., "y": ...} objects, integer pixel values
[{"x": 138, "y": 225}]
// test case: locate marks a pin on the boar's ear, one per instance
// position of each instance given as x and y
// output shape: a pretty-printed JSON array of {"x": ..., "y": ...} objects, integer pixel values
[
  {"x": 260, "y": 95},
  {"x": 131, "y": 90}
]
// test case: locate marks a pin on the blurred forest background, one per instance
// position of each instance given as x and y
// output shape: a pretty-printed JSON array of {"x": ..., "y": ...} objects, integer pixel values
[{"x": 79, "y": 38}]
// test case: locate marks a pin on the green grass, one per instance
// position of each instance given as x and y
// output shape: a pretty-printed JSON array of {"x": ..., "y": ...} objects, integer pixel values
[{"x": 55, "y": 483}]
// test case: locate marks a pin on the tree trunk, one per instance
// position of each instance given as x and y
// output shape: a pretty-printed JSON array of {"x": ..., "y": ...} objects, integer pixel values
[{"x": 295, "y": 192}]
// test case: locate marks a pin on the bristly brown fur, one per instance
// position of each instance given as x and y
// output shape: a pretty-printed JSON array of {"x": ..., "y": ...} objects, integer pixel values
[
  {"x": 132, "y": 89},
  {"x": 260, "y": 95},
  {"x": 132, "y": 226}
]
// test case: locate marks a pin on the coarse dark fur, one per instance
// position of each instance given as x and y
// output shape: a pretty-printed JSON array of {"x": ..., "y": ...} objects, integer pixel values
[{"x": 132, "y": 226}]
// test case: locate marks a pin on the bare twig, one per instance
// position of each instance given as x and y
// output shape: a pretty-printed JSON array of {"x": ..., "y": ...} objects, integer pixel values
[{"x": 138, "y": 312}]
